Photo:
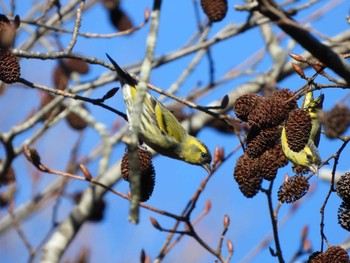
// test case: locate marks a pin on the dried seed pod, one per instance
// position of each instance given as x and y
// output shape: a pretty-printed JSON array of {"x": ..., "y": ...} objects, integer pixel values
[
  {"x": 293, "y": 189},
  {"x": 261, "y": 115},
  {"x": 273, "y": 110},
  {"x": 258, "y": 141},
  {"x": 60, "y": 77},
  {"x": 75, "y": 121},
  {"x": 45, "y": 100},
  {"x": 269, "y": 167},
  {"x": 111, "y": 4},
  {"x": 244, "y": 105},
  {"x": 271, "y": 160},
  {"x": 298, "y": 128},
  {"x": 65, "y": 68},
  {"x": 336, "y": 254},
  {"x": 286, "y": 95},
  {"x": 344, "y": 215},
  {"x": 247, "y": 175},
  {"x": 215, "y": 9},
  {"x": 8, "y": 176},
  {"x": 120, "y": 20},
  {"x": 8, "y": 31},
  {"x": 280, "y": 158},
  {"x": 77, "y": 65},
  {"x": 146, "y": 171},
  {"x": 316, "y": 257},
  {"x": 343, "y": 187},
  {"x": 10, "y": 70},
  {"x": 336, "y": 121}
]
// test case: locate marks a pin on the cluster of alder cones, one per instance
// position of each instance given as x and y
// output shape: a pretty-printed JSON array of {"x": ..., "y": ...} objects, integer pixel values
[
  {"x": 263, "y": 154},
  {"x": 10, "y": 70}
]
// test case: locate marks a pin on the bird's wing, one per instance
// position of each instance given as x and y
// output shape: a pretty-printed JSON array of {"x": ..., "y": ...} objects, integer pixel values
[{"x": 166, "y": 121}]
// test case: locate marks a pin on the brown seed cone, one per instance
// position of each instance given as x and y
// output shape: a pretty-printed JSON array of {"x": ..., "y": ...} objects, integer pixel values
[
  {"x": 8, "y": 177},
  {"x": 247, "y": 175},
  {"x": 45, "y": 100},
  {"x": 215, "y": 9},
  {"x": 258, "y": 141},
  {"x": 111, "y": 4},
  {"x": 293, "y": 189},
  {"x": 285, "y": 95},
  {"x": 269, "y": 166},
  {"x": 280, "y": 158},
  {"x": 273, "y": 110},
  {"x": 271, "y": 160},
  {"x": 10, "y": 70},
  {"x": 343, "y": 187},
  {"x": 336, "y": 254},
  {"x": 120, "y": 20},
  {"x": 298, "y": 169},
  {"x": 298, "y": 128},
  {"x": 75, "y": 121},
  {"x": 344, "y": 216},
  {"x": 244, "y": 105},
  {"x": 60, "y": 77},
  {"x": 336, "y": 121},
  {"x": 316, "y": 257},
  {"x": 77, "y": 65},
  {"x": 146, "y": 170}
]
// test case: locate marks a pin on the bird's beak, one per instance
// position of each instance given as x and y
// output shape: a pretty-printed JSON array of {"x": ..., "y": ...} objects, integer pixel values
[
  {"x": 207, "y": 167},
  {"x": 313, "y": 168}
]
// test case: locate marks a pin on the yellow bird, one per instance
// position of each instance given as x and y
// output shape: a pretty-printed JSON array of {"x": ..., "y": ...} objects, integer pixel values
[
  {"x": 308, "y": 157},
  {"x": 159, "y": 128}
]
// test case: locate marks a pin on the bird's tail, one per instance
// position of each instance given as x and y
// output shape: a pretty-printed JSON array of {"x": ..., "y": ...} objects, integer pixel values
[{"x": 124, "y": 77}]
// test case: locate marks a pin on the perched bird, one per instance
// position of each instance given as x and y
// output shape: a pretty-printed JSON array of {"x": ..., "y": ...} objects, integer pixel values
[
  {"x": 309, "y": 156},
  {"x": 159, "y": 128}
]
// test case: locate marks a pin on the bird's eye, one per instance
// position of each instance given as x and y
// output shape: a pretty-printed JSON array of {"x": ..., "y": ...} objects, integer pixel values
[
  {"x": 204, "y": 155},
  {"x": 309, "y": 157}
]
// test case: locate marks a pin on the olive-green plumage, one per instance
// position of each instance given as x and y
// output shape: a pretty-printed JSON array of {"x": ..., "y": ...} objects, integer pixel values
[
  {"x": 308, "y": 157},
  {"x": 159, "y": 128}
]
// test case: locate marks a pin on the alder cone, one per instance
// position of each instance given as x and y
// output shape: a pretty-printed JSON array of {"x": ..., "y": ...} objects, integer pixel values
[
  {"x": 344, "y": 216},
  {"x": 214, "y": 9},
  {"x": 336, "y": 121},
  {"x": 336, "y": 254},
  {"x": 10, "y": 70},
  {"x": 343, "y": 187},
  {"x": 298, "y": 128},
  {"x": 244, "y": 105},
  {"x": 293, "y": 189},
  {"x": 247, "y": 175},
  {"x": 120, "y": 20},
  {"x": 146, "y": 171},
  {"x": 258, "y": 141}
]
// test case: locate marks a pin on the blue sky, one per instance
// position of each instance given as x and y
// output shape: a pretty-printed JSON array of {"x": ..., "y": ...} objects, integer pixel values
[{"x": 116, "y": 240}]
